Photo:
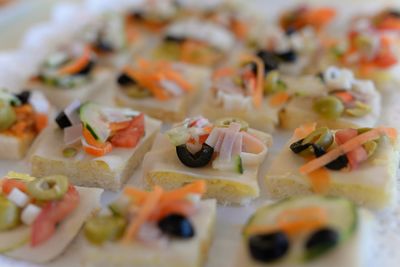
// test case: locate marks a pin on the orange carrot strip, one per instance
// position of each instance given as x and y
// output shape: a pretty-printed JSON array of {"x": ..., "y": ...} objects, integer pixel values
[
  {"x": 98, "y": 151},
  {"x": 177, "y": 77},
  {"x": 41, "y": 121},
  {"x": 258, "y": 92},
  {"x": 222, "y": 72},
  {"x": 149, "y": 205},
  {"x": 182, "y": 207},
  {"x": 347, "y": 147},
  {"x": 137, "y": 195},
  {"x": 320, "y": 180},
  {"x": 77, "y": 64},
  {"x": 278, "y": 99},
  {"x": 197, "y": 187},
  {"x": 346, "y": 97}
]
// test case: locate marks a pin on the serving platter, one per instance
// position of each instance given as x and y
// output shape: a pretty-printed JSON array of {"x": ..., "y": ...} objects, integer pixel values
[{"x": 230, "y": 219}]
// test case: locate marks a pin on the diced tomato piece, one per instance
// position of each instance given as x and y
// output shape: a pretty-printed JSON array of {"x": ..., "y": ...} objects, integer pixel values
[
  {"x": 41, "y": 121},
  {"x": 8, "y": 185},
  {"x": 52, "y": 213},
  {"x": 342, "y": 136},
  {"x": 129, "y": 137}
]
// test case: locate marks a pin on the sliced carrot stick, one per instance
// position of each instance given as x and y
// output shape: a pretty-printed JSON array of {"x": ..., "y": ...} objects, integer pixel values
[
  {"x": 149, "y": 205},
  {"x": 223, "y": 72},
  {"x": 98, "y": 151},
  {"x": 258, "y": 92},
  {"x": 347, "y": 147},
  {"x": 176, "y": 77},
  {"x": 389, "y": 23},
  {"x": 319, "y": 17},
  {"x": 320, "y": 180},
  {"x": 137, "y": 195},
  {"x": 304, "y": 130},
  {"x": 239, "y": 28},
  {"x": 41, "y": 121},
  {"x": 182, "y": 207},
  {"x": 197, "y": 187},
  {"x": 278, "y": 99},
  {"x": 78, "y": 64}
]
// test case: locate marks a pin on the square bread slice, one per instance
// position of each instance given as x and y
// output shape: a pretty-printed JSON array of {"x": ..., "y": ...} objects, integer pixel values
[
  {"x": 61, "y": 97},
  {"x": 65, "y": 232},
  {"x": 14, "y": 148},
  {"x": 161, "y": 166},
  {"x": 176, "y": 253},
  {"x": 373, "y": 184},
  {"x": 353, "y": 253},
  {"x": 174, "y": 109},
  {"x": 108, "y": 172}
]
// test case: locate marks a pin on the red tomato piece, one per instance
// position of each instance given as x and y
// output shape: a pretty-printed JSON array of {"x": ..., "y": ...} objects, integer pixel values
[
  {"x": 130, "y": 136},
  {"x": 52, "y": 213}
]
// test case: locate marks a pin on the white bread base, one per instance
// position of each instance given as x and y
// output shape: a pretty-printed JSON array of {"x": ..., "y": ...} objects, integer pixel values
[{"x": 177, "y": 253}]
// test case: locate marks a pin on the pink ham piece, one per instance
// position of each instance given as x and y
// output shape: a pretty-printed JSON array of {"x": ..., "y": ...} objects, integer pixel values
[
  {"x": 72, "y": 134},
  {"x": 355, "y": 156},
  {"x": 229, "y": 139}
]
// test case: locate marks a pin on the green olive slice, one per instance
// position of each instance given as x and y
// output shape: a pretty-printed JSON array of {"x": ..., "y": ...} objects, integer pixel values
[
  {"x": 106, "y": 228},
  {"x": 329, "y": 107},
  {"x": 48, "y": 188},
  {"x": 273, "y": 83},
  {"x": 9, "y": 214},
  {"x": 321, "y": 137},
  {"x": 361, "y": 109},
  {"x": 7, "y": 115},
  {"x": 225, "y": 122}
]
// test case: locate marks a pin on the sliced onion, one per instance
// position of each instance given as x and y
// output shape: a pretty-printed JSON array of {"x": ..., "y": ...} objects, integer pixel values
[
  {"x": 171, "y": 87},
  {"x": 72, "y": 134},
  {"x": 71, "y": 112},
  {"x": 220, "y": 139},
  {"x": 118, "y": 114},
  {"x": 39, "y": 102},
  {"x": 213, "y": 137},
  {"x": 237, "y": 145}
]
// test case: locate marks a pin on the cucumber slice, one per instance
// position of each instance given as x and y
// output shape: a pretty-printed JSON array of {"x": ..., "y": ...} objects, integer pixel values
[
  {"x": 9, "y": 97},
  {"x": 238, "y": 164},
  {"x": 15, "y": 238},
  {"x": 342, "y": 217},
  {"x": 93, "y": 119}
]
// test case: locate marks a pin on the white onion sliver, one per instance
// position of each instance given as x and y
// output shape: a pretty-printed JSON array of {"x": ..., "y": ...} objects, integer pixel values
[
  {"x": 220, "y": 139},
  {"x": 237, "y": 145},
  {"x": 39, "y": 102},
  {"x": 72, "y": 134},
  {"x": 213, "y": 137},
  {"x": 171, "y": 87},
  {"x": 71, "y": 112}
]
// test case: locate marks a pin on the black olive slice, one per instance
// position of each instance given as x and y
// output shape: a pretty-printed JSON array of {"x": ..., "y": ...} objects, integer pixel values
[
  {"x": 321, "y": 241},
  {"x": 174, "y": 39},
  {"x": 268, "y": 247},
  {"x": 337, "y": 164},
  {"x": 176, "y": 225},
  {"x": 271, "y": 62},
  {"x": 137, "y": 15},
  {"x": 103, "y": 46},
  {"x": 320, "y": 75},
  {"x": 394, "y": 13},
  {"x": 62, "y": 120},
  {"x": 288, "y": 56},
  {"x": 298, "y": 146},
  {"x": 87, "y": 69},
  {"x": 24, "y": 96},
  {"x": 125, "y": 80},
  {"x": 290, "y": 30},
  {"x": 200, "y": 159}
]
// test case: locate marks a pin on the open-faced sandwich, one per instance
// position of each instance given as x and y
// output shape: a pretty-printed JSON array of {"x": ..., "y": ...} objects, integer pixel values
[
  {"x": 112, "y": 39},
  {"x": 70, "y": 74},
  {"x": 333, "y": 98},
  {"x": 22, "y": 117},
  {"x": 152, "y": 228},
  {"x": 358, "y": 163},
  {"x": 371, "y": 54},
  {"x": 239, "y": 92},
  {"x": 163, "y": 90},
  {"x": 195, "y": 41},
  {"x": 294, "y": 47},
  {"x": 311, "y": 231},
  {"x": 227, "y": 154},
  {"x": 95, "y": 146},
  {"x": 41, "y": 216}
]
